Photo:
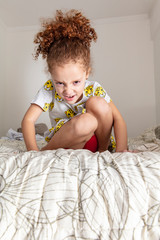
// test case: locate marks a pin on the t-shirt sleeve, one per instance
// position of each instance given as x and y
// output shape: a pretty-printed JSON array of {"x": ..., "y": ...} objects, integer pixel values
[
  {"x": 99, "y": 91},
  {"x": 44, "y": 96}
]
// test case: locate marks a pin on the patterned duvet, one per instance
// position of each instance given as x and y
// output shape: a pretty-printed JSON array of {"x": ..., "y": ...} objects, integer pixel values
[{"x": 79, "y": 195}]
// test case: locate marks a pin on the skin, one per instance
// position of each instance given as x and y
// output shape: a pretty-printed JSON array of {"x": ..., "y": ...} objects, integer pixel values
[{"x": 69, "y": 81}]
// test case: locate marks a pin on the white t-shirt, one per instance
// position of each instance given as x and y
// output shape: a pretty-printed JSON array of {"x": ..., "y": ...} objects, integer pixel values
[{"x": 59, "y": 111}]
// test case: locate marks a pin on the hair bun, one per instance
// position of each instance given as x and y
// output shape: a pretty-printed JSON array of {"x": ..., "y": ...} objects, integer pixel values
[{"x": 71, "y": 24}]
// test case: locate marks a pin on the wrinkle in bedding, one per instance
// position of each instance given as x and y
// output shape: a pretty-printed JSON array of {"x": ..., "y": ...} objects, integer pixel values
[{"x": 76, "y": 194}]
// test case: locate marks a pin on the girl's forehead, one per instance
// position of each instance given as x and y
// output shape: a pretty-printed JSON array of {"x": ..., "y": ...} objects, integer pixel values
[
  {"x": 68, "y": 69},
  {"x": 77, "y": 63}
]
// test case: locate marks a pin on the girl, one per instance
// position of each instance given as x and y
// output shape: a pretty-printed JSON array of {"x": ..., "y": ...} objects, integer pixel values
[{"x": 81, "y": 112}]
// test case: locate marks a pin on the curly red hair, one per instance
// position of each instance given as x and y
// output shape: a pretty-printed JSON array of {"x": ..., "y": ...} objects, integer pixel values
[{"x": 67, "y": 37}]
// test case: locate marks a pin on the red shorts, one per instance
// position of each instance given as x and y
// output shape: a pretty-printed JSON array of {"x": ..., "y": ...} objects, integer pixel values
[{"x": 92, "y": 144}]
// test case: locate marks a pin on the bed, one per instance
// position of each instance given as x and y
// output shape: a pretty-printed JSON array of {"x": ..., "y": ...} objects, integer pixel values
[{"x": 80, "y": 195}]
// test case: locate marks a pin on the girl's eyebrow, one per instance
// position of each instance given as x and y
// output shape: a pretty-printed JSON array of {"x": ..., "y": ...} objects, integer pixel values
[
  {"x": 57, "y": 80},
  {"x": 64, "y": 81}
]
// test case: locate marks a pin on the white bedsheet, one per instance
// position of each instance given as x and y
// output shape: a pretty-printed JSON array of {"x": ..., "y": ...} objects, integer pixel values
[{"x": 79, "y": 195}]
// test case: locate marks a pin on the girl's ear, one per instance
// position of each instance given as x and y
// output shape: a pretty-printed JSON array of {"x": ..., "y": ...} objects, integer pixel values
[{"x": 88, "y": 72}]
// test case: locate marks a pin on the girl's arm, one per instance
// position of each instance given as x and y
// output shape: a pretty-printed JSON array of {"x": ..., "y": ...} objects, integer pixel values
[
  {"x": 28, "y": 126},
  {"x": 120, "y": 129}
]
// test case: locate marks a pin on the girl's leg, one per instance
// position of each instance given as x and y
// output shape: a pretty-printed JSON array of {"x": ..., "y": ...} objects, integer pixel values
[
  {"x": 101, "y": 110},
  {"x": 75, "y": 133}
]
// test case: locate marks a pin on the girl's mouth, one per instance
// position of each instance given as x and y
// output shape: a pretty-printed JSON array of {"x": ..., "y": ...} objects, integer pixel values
[{"x": 69, "y": 98}]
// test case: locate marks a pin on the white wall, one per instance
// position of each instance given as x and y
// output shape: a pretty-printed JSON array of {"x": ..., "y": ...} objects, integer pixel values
[
  {"x": 123, "y": 59},
  {"x": 155, "y": 30},
  {"x": 157, "y": 74},
  {"x": 122, "y": 63},
  {"x": 24, "y": 76},
  {"x": 2, "y": 75}
]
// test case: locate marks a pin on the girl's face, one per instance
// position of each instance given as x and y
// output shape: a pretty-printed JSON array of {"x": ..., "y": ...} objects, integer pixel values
[{"x": 69, "y": 81}]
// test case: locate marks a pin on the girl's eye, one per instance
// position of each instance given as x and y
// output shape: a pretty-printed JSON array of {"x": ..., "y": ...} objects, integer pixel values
[
  {"x": 59, "y": 83},
  {"x": 76, "y": 82}
]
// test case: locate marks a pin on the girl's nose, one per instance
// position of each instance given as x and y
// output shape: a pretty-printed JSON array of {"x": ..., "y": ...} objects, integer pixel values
[{"x": 68, "y": 90}]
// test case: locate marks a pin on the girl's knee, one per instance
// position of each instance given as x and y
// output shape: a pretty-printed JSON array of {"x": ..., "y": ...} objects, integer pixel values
[
  {"x": 98, "y": 105},
  {"x": 84, "y": 124}
]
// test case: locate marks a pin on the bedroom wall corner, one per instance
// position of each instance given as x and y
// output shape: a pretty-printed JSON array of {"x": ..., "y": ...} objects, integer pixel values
[
  {"x": 155, "y": 32},
  {"x": 3, "y": 30}
]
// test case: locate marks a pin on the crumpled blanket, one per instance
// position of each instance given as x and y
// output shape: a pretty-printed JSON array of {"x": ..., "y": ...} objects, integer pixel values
[
  {"x": 14, "y": 135},
  {"x": 69, "y": 194},
  {"x": 79, "y": 195}
]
